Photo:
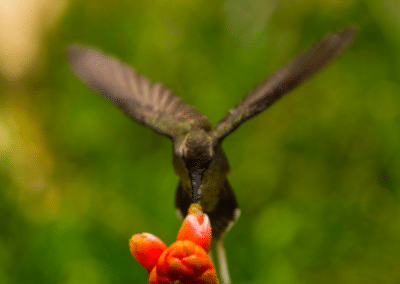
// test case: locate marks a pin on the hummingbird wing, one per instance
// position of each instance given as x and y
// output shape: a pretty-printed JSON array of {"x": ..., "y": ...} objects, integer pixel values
[
  {"x": 295, "y": 72},
  {"x": 149, "y": 103}
]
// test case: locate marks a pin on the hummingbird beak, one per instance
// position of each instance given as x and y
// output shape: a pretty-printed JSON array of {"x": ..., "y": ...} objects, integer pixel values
[{"x": 196, "y": 186}]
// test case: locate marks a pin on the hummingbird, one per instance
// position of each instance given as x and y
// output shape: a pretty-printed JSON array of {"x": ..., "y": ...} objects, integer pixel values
[{"x": 198, "y": 157}]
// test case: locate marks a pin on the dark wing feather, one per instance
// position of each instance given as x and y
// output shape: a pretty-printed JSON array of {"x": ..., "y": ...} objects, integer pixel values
[
  {"x": 148, "y": 103},
  {"x": 296, "y": 71}
]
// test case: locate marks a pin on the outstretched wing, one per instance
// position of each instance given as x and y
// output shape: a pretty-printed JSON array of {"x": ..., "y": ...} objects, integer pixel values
[
  {"x": 296, "y": 71},
  {"x": 148, "y": 103}
]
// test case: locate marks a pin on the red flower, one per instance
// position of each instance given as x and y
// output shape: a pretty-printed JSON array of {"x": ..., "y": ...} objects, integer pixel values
[{"x": 186, "y": 260}]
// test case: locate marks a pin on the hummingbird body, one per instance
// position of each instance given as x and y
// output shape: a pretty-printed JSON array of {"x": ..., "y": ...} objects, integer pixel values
[
  {"x": 198, "y": 158},
  {"x": 217, "y": 197}
]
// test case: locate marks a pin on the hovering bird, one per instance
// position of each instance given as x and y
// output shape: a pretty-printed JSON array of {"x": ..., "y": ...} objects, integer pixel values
[{"x": 198, "y": 157}]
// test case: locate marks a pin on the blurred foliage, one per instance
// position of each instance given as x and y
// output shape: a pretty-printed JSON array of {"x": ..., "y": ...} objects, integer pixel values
[{"x": 317, "y": 175}]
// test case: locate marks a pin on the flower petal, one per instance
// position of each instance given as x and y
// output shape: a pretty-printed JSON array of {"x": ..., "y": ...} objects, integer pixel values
[
  {"x": 146, "y": 249},
  {"x": 196, "y": 228},
  {"x": 186, "y": 262}
]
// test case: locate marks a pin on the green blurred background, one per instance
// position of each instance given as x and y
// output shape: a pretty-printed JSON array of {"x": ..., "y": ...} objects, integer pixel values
[{"x": 317, "y": 175}]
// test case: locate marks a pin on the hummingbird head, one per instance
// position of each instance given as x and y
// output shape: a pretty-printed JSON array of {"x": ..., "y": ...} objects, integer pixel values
[{"x": 197, "y": 153}]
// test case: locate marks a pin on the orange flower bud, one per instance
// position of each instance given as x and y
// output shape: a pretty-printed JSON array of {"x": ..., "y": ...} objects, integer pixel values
[
  {"x": 184, "y": 262},
  {"x": 196, "y": 227},
  {"x": 146, "y": 249}
]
